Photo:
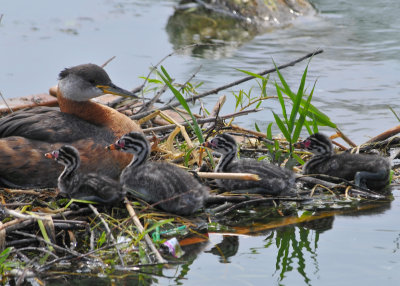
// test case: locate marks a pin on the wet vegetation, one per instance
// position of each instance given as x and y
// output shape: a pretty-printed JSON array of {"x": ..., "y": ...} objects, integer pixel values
[{"x": 45, "y": 237}]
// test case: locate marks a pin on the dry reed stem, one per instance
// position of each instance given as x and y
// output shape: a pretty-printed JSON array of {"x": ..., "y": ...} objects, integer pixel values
[
  {"x": 149, "y": 117},
  {"x": 23, "y": 216},
  {"x": 345, "y": 138},
  {"x": 5, "y": 101},
  {"x": 182, "y": 130},
  {"x": 388, "y": 133},
  {"x": 139, "y": 225},
  {"x": 229, "y": 176},
  {"x": 95, "y": 211}
]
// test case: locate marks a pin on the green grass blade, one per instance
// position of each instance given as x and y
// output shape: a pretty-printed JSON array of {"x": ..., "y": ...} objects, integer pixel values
[
  {"x": 284, "y": 83},
  {"x": 297, "y": 101},
  {"x": 282, "y": 127},
  {"x": 166, "y": 74},
  {"x": 298, "y": 158},
  {"x": 321, "y": 117},
  {"x": 184, "y": 104},
  {"x": 269, "y": 131},
  {"x": 4, "y": 255},
  {"x": 300, "y": 123},
  {"x": 252, "y": 74},
  {"x": 282, "y": 102},
  {"x": 394, "y": 113},
  {"x": 308, "y": 127},
  {"x": 44, "y": 234}
]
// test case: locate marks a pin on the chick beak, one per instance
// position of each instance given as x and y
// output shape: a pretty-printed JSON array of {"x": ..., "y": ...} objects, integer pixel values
[
  {"x": 299, "y": 145},
  {"x": 48, "y": 155},
  {"x": 113, "y": 147},
  {"x": 206, "y": 144}
]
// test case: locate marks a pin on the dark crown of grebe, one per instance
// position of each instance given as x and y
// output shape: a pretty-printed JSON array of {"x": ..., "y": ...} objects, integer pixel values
[
  {"x": 223, "y": 143},
  {"x": 92, "y": 187},
  {"x": 134, "y": 143},
  {"x": 273, "y": 179},
  {"x": 67, "y": 155},
  {"x": 317, "y": 143},
  {"x": 168, "y": 186}
]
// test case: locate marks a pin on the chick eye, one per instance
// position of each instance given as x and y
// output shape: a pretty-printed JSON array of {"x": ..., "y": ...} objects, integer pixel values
[{"x": 121, "y": 143}]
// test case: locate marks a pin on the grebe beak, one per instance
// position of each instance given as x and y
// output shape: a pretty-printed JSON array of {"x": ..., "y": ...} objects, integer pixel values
[
  {"x": 113, "y": 89},
  {"x": 207, "y": 144},
  {"x": 299, "y": 145},
  {"x": 113, "y": 147},
  {"x": 48, "y": 155}
]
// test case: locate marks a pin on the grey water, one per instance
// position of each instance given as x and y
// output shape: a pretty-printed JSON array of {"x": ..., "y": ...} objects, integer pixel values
[{"x": 357, "y": 80}]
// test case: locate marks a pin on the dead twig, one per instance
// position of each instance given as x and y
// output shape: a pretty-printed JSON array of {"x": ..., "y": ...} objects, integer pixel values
[
  {"x": 385, "y": 135},
  {"x": 365, "y": 193},
  {"x": 199, "y": 121},
  {"x": 108, "y": 231},
  {"x": 140, "y": 227},
  {"x": 108, "y": 61},
  {"x": 229, "y": 176},
  {"x": 5, "y": 101}
]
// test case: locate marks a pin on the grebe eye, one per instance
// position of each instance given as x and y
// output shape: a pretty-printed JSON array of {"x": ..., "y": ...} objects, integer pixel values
[{"x": 121, "y": 143}]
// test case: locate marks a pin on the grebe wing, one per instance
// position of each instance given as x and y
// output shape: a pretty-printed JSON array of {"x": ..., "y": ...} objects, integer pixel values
[{"x": 50, "y": 125}]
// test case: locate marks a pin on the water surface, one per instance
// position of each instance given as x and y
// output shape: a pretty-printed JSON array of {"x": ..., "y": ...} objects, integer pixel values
[{"x": 358, "y": 77}]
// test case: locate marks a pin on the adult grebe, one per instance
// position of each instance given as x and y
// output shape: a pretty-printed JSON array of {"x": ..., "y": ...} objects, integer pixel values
[
  {"x": 27, "y": 134},
  {"x": 173, "y": 189}
]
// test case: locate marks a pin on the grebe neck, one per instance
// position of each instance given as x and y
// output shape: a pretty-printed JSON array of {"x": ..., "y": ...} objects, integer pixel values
[
  {"x": 139, "y": 158},
  {"x": 225, "y": 160},
  {"x": 98, "y": 114}
]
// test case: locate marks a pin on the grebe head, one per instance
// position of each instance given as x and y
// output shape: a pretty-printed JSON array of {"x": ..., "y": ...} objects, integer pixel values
[
  {"x": 67, "y": 155},
  {"x": 222, "y": 143},
  {"x": 133, "y": 142},
  {"x": 83, "y": 82},
  {"x": 318, "y": 144}
]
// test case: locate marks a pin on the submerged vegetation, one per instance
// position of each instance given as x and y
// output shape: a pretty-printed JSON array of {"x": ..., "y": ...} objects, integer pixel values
[{"x": 43, "y": 236}]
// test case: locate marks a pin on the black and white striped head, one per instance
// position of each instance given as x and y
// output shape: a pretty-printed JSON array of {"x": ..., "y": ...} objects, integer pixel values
[
  {"x": 133, "y": 142},
  {"x": 67, "y": 155},
  {"x": 222, "y": 143},
  {"x": 318, "y": 144}
]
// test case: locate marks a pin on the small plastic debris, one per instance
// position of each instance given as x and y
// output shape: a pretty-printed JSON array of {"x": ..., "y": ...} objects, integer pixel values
[{"x": 174, "y": 248}]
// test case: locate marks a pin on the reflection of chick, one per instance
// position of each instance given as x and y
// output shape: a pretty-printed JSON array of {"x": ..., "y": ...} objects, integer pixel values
[
  {"x": 228, "y": 247},
  {"x": 319, "y": 225}
]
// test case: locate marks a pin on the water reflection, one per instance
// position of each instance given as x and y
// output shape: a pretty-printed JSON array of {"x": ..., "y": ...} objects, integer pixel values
[
  {"x": 228, "y": 23},
  {"x": 286, "y": 249},
  {"x": 294, "y": 240},
  {"x": 228, "y": 247}
]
